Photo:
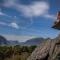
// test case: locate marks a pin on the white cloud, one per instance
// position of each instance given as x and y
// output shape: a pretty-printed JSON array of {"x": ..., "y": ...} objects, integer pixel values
[
  {"x": 50, "y": 16},
  {"x": 3, "y": 23},
  {"x": 14, "y": 25},
  {"x": 34, "y": 9},
  {"x": 3, "y": 14},
  {"x": 40, "y": 8},
  {"x": 9, "y": 3}
]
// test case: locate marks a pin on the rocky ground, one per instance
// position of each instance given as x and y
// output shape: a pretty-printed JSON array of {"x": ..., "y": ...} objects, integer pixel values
[{"x": 49, "y": 50}]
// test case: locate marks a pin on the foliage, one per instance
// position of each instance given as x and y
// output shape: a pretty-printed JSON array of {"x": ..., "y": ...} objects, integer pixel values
[{"x": 15, "y": 52}]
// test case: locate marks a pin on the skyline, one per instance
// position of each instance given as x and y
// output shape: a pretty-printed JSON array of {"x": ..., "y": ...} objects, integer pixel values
[{"x": 25, "y": 19}]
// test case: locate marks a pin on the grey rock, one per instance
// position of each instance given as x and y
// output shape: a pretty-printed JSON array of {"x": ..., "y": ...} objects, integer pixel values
[{"x": 49, "y": 50}]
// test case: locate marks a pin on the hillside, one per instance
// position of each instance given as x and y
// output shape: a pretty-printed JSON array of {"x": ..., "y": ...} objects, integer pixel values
[
  {"x": 3, "y": 40},
  {"x": 34, "y": 41}
]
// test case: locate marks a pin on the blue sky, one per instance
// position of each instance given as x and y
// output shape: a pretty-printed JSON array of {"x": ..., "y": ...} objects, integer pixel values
[{"x": 24, "y": 19}]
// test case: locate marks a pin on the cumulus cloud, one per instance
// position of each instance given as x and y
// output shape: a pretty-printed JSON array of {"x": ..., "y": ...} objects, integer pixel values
[
  {"x": 35, "y": 9},
  {"x": 14, "y": 25},
  {"x": 40, "y": 8}
]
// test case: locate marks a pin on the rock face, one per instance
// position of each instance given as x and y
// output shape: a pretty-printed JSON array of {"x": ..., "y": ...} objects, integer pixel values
[{"x": 49, "y": 50}]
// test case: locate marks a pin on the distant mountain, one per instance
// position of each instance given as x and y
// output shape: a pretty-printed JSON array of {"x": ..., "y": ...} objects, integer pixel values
[
  {"x": 34, "y": 41},
  {"x": 14, "y": 42},
  {"x": 3, "y": 40}
]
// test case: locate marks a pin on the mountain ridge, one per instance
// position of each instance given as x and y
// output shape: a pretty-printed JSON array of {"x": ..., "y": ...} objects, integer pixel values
[{"x": 33, "y": 41}]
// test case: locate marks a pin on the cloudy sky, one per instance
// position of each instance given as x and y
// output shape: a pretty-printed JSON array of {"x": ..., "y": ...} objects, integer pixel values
[{"x": 25, "y": 19}]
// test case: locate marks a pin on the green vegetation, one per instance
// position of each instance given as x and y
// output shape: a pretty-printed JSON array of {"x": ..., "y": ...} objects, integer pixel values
[{"x": 15, "y": 52}]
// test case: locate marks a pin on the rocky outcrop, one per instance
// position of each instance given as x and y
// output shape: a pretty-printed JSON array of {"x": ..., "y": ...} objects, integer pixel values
[{"x": 49, "y": 50}]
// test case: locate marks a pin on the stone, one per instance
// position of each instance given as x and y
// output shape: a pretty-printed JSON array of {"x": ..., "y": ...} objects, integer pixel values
[{"x": 48, "y": 50}]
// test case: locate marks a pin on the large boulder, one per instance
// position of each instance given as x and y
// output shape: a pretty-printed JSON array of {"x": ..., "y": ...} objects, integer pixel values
[{"x": 49, "y": 50}]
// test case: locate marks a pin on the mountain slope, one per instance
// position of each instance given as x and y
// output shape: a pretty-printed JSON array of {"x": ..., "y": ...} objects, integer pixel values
[
  {"x": 3, "y": 40},
  {"x": 34, "y": 41}
]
